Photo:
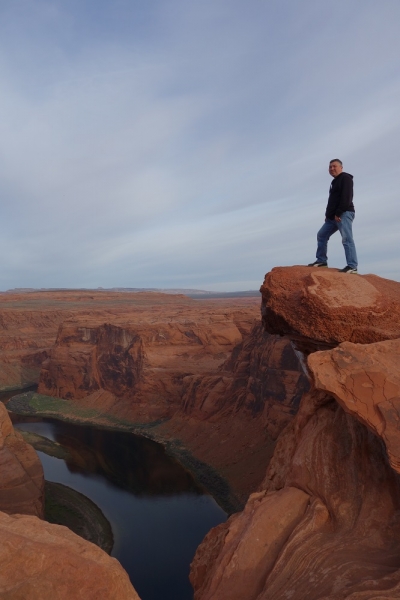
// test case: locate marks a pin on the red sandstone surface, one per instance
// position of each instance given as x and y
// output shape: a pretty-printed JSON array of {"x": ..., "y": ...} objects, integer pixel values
[
  {"x": 322, "y": 307},
  {"x": 21, "y": 473},
  {"x": 365, "y": 381},
  {"x": 340, "y": 537},
  {"x": 40, "y": 561}
]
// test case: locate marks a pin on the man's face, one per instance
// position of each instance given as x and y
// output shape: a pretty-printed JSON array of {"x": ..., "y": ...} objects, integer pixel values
[{"x": 335, "y": 168}]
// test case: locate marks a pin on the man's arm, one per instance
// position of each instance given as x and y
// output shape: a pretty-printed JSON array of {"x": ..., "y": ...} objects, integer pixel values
[{"x": 346, "y": 196}]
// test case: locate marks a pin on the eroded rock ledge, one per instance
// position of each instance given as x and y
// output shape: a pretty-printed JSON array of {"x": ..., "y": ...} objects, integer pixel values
[{"x": 326, "y": 521}]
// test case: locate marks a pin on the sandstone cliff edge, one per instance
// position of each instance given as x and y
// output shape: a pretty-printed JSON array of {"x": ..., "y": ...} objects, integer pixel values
[{"x": 325, "y": 523}]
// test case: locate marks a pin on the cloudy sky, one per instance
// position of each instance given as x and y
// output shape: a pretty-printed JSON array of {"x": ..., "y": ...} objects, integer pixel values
[{"x": 186, "y": 144}]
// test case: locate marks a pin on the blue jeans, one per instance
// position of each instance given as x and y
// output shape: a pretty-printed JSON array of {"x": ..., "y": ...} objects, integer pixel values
[{"x": 345, "y": 227}]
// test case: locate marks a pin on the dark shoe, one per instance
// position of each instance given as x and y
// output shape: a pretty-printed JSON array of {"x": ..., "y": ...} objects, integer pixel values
[
  {"x": 318, "y": 263},
  {"x": 348, "y": 270}
]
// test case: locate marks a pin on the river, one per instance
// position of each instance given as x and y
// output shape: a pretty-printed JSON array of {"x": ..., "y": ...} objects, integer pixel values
[{"x": 158, "y": 514}]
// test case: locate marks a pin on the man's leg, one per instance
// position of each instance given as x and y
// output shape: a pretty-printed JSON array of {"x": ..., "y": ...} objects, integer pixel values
[
  {"x": 345, "y": 227},
  {"x": 323, "y": 235}
]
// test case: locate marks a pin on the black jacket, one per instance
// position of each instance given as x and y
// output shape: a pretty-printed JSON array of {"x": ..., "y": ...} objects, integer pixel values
[{"x": 340, "y": 196}]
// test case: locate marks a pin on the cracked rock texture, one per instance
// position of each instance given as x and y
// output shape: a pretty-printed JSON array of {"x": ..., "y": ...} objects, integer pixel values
[
  {"x": 334, "y": 470},
  {"x": 21, "y": 473},
  {"x": 40, "y": 561}
]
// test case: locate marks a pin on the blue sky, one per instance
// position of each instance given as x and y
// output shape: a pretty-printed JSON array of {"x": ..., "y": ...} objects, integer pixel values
[{"x": 186, "y": 144}]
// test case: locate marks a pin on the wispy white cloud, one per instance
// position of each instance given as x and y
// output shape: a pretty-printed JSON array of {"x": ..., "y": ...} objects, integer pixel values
[{"x": 187, "y": 144}]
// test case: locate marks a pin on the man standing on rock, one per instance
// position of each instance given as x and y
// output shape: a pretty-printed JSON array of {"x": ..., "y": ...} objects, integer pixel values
[{"x": 339, "y": 216}]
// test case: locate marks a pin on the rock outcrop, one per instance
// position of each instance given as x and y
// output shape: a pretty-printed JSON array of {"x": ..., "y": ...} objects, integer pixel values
[
  {"x": 228, "y": 568},
  {"x": 365, "y": 381},
  {"x": 41, "y": 561},
  {"x": 319, "y": 308},
  {"x": 21, "y": 472},
  {"x": 335, "y": 463}
]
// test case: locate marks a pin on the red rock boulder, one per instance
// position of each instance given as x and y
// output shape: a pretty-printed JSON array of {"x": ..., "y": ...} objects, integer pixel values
[{"x": 320, "y": 308}]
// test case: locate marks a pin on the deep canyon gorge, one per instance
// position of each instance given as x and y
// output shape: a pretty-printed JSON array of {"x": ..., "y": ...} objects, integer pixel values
[{"x": 290, "y": 419}]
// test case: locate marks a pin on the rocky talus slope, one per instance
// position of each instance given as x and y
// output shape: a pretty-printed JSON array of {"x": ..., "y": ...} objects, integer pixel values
[
  {"x": 325, "y": 522},
  {"x": 232, "y": 418}
]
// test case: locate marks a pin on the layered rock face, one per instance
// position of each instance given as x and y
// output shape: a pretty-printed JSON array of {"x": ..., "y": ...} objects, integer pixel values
[
  {"x": 140, "y": 366},
  {"x": 28, "y": 326},
  {"x": 41, "y": 561},
  {"x": 21, "y": 472},
  {"x": 326, "y": 521}
]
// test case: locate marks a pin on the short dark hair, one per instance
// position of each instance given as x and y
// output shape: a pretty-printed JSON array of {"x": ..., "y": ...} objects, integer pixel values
[{"x": 336, "y": 160}]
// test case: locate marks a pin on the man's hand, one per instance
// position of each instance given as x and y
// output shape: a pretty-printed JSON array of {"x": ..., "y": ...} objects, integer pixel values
[{"x": 337, "y": 218}]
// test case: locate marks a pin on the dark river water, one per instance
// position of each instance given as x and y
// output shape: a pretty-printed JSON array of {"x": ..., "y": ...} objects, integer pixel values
[{"x": 158, "y": 514}]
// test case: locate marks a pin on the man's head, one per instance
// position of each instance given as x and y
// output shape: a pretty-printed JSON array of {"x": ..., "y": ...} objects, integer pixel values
[{"x": 335, "y": 167}]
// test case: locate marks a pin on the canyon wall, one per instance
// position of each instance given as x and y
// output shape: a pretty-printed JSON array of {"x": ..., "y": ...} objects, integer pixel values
[
  {"x": 218, "y": 382},
  {"x": 232, "y": 418},
  {"x": 140, "y": 366},
  {"x": 325, "y": 522},
  {"x": 21, "y": 473},
  {"x": 205, "y": 368},
  {"x": 29, "y": 323}
]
